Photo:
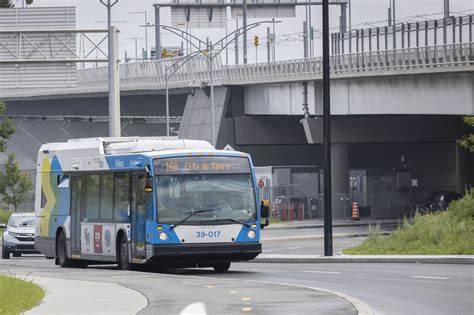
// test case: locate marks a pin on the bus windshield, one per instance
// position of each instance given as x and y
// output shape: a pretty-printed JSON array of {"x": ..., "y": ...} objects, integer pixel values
[{"x": 227, "y": 197}]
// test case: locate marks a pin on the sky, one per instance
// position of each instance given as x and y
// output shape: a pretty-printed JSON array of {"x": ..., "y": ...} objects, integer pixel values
[{"x": 91, "y": 14}]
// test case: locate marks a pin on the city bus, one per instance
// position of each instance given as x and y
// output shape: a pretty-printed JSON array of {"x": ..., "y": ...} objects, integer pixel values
[{"x": 137, "y": 200}]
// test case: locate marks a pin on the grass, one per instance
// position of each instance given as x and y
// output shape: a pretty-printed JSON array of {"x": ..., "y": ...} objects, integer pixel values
[
  {"x": 449, "y": 232},
  {"x": 18, "y": 296}
]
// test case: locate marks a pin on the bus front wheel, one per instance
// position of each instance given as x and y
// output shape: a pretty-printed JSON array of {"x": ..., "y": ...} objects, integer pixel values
[
  {"x": 222, "y": 267},
  {"x": 123, "y": 263},
  {"x": 61, "y": 251}
]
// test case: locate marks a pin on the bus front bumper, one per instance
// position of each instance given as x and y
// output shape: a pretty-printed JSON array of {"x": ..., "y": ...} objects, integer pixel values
[{"x": 203, "y": 254}]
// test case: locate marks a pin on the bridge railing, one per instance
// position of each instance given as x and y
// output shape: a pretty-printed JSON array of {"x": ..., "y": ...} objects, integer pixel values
[
  {"x": 406, "y": 58},
  {"x": 151, "y": 74}
]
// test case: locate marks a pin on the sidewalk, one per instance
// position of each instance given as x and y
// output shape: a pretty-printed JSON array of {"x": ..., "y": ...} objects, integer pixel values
[
  {"x": 415, "y": 259},
  {"x": 307, "y": 224},
  {"x": 75, "y": 296}
]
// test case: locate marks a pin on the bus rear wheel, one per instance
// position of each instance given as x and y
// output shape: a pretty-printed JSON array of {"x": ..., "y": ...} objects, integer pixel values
[
  {"x": 123, "y": 263},
  {"x": 222, "y": 267}
]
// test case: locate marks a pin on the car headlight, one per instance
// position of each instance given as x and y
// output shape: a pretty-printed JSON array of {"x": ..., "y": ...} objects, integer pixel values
[
  {"x": 251, "y": 234},
  {"x": 12, "y": 234},
  {"x": 163, "y": 236}
]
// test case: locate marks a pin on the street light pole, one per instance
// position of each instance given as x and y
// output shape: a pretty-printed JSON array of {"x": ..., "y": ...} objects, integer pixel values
[
  {"x": 211, "y": 83},
  {"x": 244, "y": 39},
  {"x": 114, "y": 86},
  {"x": 328, "y": 246},
  {"x": 210, "y": 48}
]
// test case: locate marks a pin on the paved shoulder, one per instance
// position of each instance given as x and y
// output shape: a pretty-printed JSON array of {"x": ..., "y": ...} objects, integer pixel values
[{"x": 86, "y": 297}]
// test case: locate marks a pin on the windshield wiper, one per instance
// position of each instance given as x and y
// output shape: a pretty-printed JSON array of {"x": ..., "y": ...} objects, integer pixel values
[
  {"x": 237, "y": 221},
  {"x": 190, "y": 215}
]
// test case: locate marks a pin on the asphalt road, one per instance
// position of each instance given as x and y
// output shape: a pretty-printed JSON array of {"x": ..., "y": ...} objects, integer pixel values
[
  {"x": 170, "y": 292},
  {"x": 261, "y": 288}
]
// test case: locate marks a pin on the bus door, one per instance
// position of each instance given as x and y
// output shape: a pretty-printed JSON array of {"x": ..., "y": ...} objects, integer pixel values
[
  {"x": 76, "y": 217},
  {"x": 138, "y": 217}
]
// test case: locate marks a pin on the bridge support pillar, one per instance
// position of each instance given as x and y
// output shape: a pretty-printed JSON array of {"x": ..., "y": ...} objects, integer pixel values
[{"x": 340, "y": 180}]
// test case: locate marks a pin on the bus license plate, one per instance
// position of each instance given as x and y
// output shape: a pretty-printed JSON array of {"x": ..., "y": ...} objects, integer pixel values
[{"x": 207, "y": 234}]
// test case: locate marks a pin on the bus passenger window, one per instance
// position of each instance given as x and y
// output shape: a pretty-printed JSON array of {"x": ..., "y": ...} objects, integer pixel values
[
  {"x": 106, "y": 196},
  {"x": 92, "y": 197},
  {"x": 122, "y": 197}
]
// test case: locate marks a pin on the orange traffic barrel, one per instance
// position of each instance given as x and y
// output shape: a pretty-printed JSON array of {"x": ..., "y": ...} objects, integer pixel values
[{"x": 355, "y": 211}]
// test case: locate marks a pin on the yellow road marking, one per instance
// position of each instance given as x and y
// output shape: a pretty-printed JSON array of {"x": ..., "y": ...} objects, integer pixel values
[
  {"x": 234, "y": 292},
  {"x": 246, "y": 299},
  {"x": 209, "y": 286},
  {"x": 246, "y": 309}
]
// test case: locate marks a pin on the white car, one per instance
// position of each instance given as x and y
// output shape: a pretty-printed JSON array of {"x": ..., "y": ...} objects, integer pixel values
[{"x": 19, "y": 236}]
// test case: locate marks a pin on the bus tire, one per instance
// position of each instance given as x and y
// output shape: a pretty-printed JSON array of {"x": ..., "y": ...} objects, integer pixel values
[
  {"x": 123, "y": 263},
  {"x": 223, "y": 267},
  {"x": 61, "y": 251}
]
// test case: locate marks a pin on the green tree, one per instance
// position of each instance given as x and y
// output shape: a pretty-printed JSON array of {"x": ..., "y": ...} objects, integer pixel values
[
  {"x": 14, "y": 184},
  {"x": 6, "y": 128},
  {"x": 6, "y": 4},
  {"x": 467, "y": 142}
]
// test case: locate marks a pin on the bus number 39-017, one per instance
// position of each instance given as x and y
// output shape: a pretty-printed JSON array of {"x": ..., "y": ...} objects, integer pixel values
[{"x": 201, "y": 234}]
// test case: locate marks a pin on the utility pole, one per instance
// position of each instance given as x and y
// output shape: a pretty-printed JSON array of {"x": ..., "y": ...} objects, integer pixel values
[
  {"x": 389, "y": 12},
  {"x": 268, "y": 44},
  {"x": 328, "y": 246},
  {"x": 245, "y": 31},
  {"x": 114, "y": 86},
  {"x": 157, "y": 32},
  {"x": 446, "y": 9}
]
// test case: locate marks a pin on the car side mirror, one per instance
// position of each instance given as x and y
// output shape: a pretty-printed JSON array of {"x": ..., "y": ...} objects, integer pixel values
[{"x": 3, "y": 226}]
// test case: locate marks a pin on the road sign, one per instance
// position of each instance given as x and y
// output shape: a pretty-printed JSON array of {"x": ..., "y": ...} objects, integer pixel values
[{"x": 261, "y": 184}]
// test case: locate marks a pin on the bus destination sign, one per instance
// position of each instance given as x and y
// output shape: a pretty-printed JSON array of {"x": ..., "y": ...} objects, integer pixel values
[{"x": 202, "y": 165}]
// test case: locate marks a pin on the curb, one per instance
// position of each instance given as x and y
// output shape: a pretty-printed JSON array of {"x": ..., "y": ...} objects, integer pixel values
[{"x": 408, "y": 259}]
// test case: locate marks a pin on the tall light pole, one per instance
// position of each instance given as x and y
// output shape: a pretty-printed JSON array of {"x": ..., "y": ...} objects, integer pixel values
[
  {"x": 446, "y": 9},
  {"x": 209, "y": 53},
  {"x": 146, "y": 30},
  {"x": 328, "y": 246},
  {"x": 114, "y": 83},
  {"x": 244, "y": 39}
]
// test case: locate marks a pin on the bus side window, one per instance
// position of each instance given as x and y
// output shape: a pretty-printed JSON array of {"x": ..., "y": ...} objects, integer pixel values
[{"x": 122, "y": 197}]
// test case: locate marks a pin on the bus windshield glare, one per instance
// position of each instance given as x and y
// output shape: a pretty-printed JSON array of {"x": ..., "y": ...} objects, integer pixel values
[{"x": 221, "y": 186}]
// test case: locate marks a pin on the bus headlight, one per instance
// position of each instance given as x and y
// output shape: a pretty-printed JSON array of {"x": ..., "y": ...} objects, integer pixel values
[
  {"x": 163, "y": 236},
  {"x": 251, "y": 234}
]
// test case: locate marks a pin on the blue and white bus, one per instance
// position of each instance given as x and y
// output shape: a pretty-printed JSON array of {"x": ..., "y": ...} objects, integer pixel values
[{"x": 163, "y": 201}]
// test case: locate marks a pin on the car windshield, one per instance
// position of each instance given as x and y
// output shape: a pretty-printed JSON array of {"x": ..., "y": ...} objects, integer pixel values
[
  {"x": 17, "y": 221},
  {"x": 215, "y": 198}
]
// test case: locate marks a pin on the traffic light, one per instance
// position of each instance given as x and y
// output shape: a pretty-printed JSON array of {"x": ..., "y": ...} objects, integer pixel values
[{"x": 255, "y": 41}]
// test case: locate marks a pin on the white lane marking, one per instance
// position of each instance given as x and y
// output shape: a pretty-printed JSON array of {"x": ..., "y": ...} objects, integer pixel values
[
  {"x": 268, "y": 250},
  {"x": 435, "y": 278},
  {"x": 294, "y": 247},
  {"x": 197, "y": 308},
  {"x": 320, "y": 271}
]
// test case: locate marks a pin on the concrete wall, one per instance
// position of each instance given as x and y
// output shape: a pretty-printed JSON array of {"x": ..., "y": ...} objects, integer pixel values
[{"x": 430, "y": 94}]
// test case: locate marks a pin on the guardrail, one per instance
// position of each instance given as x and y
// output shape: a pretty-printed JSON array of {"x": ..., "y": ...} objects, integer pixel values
[{"x": 151, "y": 74}]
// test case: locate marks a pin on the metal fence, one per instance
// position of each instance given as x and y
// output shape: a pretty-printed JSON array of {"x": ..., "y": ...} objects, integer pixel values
[{"x": 285, "y": 206}]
